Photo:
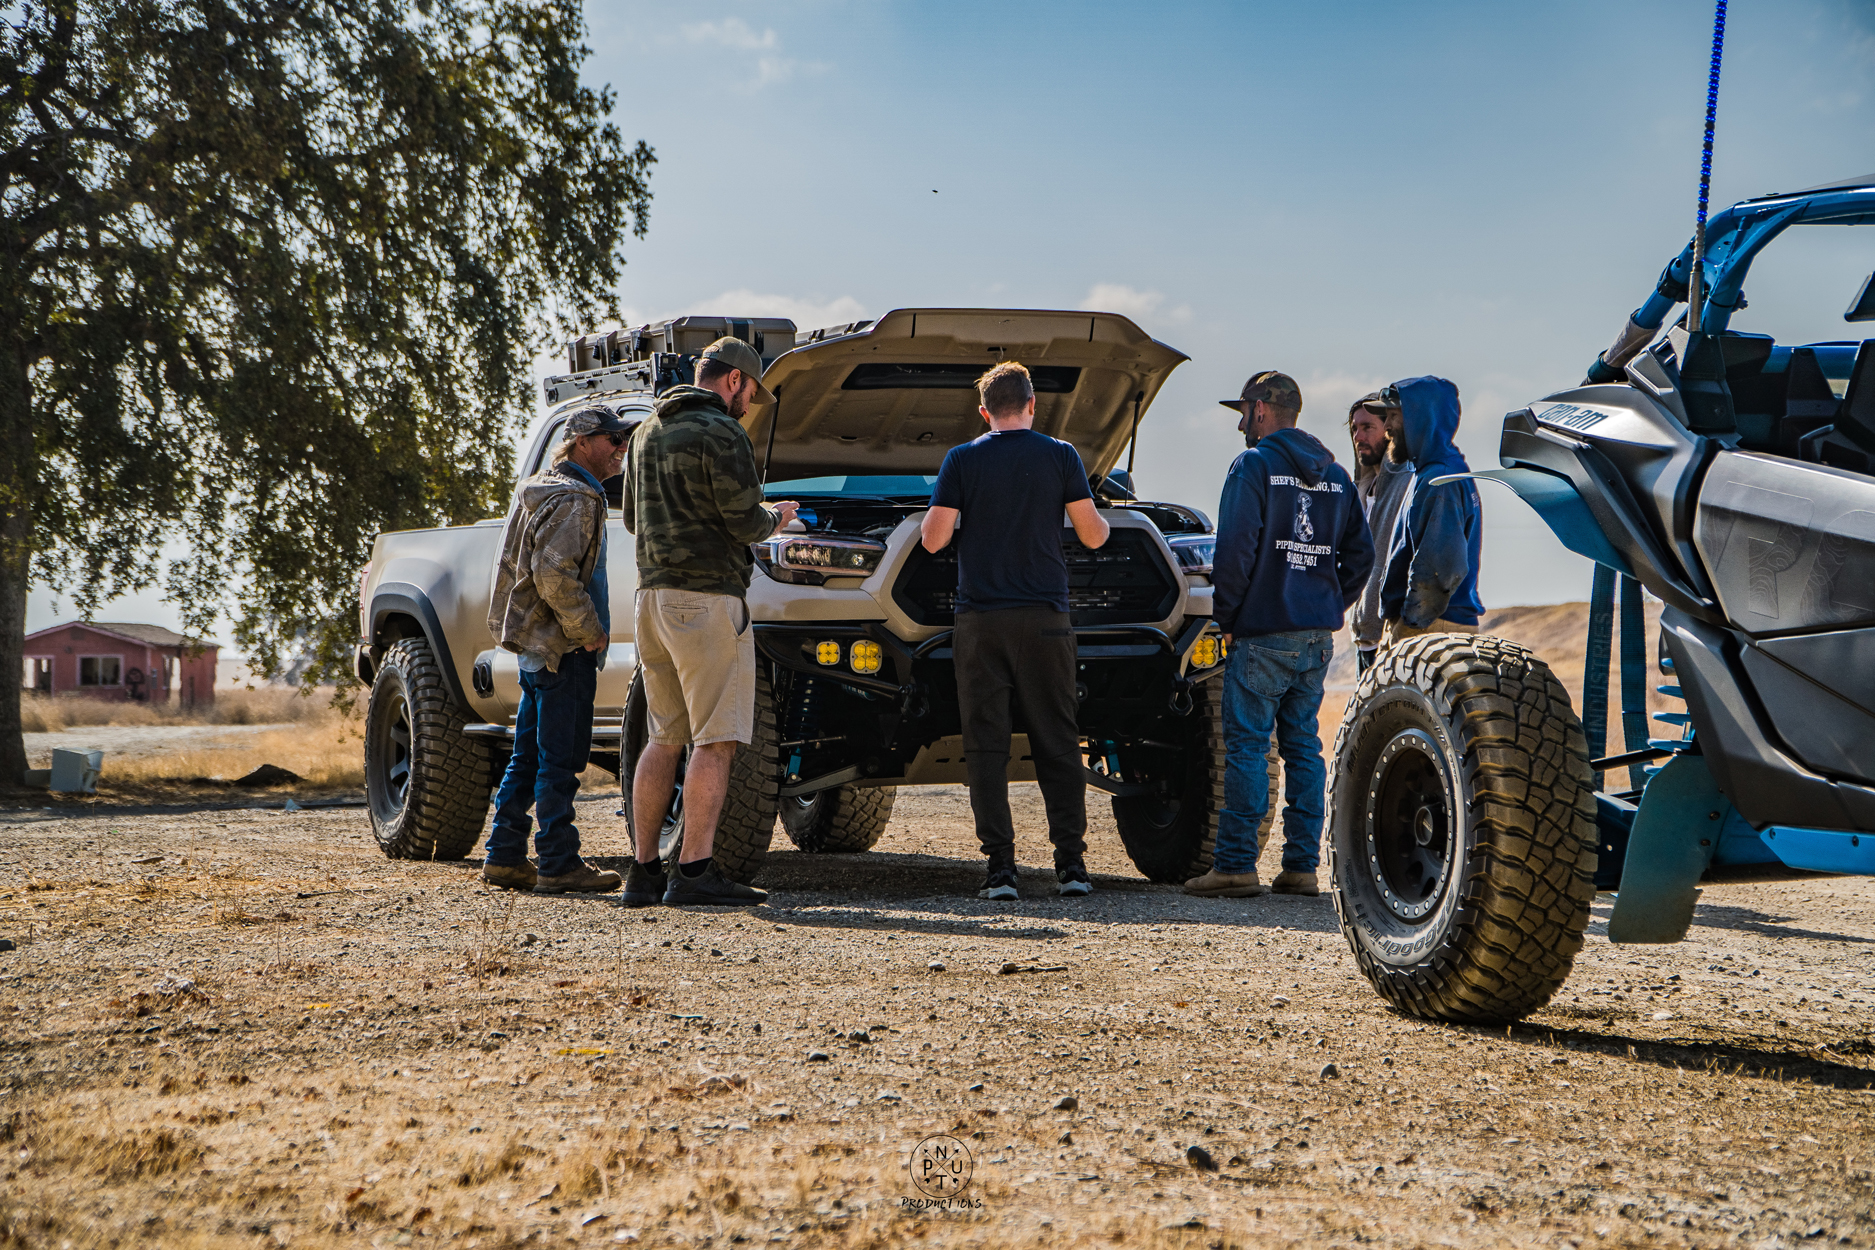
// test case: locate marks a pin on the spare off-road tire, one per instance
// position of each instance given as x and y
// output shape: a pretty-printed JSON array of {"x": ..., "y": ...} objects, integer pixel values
[
  {"x": 747, "y": 824},
  {"x": 426, "y": 782},
  {"x": 841, "y": 821},
  {"x": 1461, "y": 828},
  {"x": 1169, "y": 836}
]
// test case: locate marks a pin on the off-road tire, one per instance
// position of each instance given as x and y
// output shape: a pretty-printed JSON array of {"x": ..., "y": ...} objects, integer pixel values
[
  {"x": 1170, "y": 841},
  {"x": 1467, "y": 749},
  {"x": 747, "y": 824},
  {"x": 843, "y": 820},
  {"x": 426, "y": 782}
]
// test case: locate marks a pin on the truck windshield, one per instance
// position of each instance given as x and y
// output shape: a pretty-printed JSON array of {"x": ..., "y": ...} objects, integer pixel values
[{"x": 878, "y": 486}]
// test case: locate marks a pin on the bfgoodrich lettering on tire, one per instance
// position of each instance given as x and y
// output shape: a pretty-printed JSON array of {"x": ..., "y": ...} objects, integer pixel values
[
  {"x": 1461, "y": 821},
  {"x": 426, "y": 782}
]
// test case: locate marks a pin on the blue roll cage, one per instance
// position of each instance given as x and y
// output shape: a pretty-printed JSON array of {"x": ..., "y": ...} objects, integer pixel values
[{"x": 1733, "y": 240}]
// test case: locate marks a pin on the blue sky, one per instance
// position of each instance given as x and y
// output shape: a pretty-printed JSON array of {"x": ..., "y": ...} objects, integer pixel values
[{"x": 1350, "y": 192}]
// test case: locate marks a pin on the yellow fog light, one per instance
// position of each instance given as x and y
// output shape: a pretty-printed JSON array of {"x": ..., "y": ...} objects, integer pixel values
[
  {"x": 867, "y": 657},
  {"x": 1205, "y": 653},
  {"x": 827, "y": 652}
]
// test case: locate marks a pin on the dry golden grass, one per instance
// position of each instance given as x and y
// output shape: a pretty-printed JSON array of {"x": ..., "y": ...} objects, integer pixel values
[
  {"x": 265, "y": 705},
  {"x": 327, "y": 753}
]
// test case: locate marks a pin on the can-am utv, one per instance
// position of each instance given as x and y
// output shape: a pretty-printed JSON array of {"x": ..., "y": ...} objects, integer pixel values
[{"x": 1733, "y": 477}]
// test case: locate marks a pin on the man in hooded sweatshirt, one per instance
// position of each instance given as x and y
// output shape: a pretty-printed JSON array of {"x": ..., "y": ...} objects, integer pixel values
[
  {"x": 1292, "y": 552},
  {"x": 1431, "y": 581},
  {"x": 693, "y": 497},
  {"x": 1382, "y": 474}
]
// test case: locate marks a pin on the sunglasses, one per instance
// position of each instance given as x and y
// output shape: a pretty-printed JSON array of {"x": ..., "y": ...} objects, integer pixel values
[{"x": 619, "y": 440}]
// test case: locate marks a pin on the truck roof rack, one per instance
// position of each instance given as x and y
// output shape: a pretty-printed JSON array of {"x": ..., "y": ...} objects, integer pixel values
[{"x": 654, "y": 357}]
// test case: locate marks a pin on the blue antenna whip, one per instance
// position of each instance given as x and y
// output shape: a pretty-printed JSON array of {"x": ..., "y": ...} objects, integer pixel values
[{"x": 1695, "y": 293}]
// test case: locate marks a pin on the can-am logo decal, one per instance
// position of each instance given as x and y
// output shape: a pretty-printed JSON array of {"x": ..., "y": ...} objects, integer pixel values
[{"x": 1571, "y": 417}]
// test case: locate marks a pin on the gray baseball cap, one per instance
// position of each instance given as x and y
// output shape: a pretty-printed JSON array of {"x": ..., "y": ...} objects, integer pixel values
[
  {"x": 594, "y": 421},
  {"x": 739, "y": 355}
]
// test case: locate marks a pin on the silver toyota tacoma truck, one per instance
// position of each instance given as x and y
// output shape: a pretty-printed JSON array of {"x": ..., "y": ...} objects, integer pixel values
[{"x": 856, "y": 694}]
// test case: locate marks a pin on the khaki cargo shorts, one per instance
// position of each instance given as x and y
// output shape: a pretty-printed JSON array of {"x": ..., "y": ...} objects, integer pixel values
[{"x": 696, "y": 654}]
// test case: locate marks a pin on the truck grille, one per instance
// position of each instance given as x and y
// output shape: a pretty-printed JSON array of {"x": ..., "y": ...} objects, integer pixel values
[{"x": 1124, "y": 581}]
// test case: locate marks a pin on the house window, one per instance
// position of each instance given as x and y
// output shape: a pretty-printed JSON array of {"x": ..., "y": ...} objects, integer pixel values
[
  {"x": 38, "y": 674},
  {"x": 100, "y": 670}
]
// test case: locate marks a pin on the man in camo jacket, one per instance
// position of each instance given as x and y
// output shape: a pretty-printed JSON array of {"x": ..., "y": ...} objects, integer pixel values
[{"x": 693, "y": 497}]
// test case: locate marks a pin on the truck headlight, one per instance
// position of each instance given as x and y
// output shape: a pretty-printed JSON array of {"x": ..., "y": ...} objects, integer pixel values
[
  {"x": 1194, "y": 552},
  {"x": 1207, "y": 651},
  {"x": 840, "y": 557},
  {"x": 827, "y": 653},
  {"x": 866, "y": 656}
]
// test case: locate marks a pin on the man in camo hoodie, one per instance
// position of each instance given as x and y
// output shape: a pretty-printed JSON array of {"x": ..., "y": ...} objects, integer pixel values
[
  {"x": 694, "y": 499},
  {"x": 552, "y": 606}
]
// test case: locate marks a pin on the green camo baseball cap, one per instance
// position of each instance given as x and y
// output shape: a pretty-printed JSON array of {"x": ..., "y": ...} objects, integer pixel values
[
  {"x": 739, "y": 355},
  {"x": 1277, "y": 389}
]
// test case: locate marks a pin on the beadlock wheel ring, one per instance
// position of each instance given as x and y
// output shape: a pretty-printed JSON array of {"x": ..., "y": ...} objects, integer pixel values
[{"x": 1410, "y": 833}]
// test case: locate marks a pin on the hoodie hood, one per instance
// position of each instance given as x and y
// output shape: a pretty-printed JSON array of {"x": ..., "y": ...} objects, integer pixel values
[
  {"x": 680, "y": 397},
  {"x": 1429, "y": 411},
  {"x": 549, "y": 482},
  {"x": 1303, "y": 451}
]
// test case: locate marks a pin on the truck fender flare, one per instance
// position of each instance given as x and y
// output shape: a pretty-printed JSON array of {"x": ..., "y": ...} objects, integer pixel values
[{"x": 403, "y": 599}]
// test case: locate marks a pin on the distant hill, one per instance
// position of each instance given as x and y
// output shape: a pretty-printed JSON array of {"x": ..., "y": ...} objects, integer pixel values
[{"x": 1558, "y": 633}]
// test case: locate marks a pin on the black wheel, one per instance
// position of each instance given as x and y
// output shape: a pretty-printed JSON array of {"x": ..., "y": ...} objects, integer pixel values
[
  {"x": 843, "y": 820},
  {"x": 1170, "y": 834},
  {"x": 747, "y": 823},
  {"x": 1461, "y": 828},
  {"x": 426, "y": 782}
]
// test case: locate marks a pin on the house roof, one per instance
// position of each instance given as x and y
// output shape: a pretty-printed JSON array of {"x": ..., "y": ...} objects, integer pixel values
[{"x": 130, "y": 631}]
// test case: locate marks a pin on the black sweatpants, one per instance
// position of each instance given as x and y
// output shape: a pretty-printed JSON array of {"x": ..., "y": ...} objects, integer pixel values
[{"x": 1018, "y": 664}]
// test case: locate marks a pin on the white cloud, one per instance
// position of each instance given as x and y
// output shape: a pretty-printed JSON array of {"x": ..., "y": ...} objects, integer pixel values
[
  {"x": 1141, "y": 306},
  {"x": 1326, "y": 398},
  {"x": 731, "y": 32},
  {"x": 737, "y": 35}
]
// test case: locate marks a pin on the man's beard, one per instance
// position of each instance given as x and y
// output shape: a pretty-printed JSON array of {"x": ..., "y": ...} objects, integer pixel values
[
  {"x": 739, "y": 403},
  {"x": 1369, "y": 456},
  {"x": 1396, "y": 451}
]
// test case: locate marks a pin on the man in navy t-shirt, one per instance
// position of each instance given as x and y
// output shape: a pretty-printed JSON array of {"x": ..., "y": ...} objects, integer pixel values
[{"x": 1002, "y": 497}]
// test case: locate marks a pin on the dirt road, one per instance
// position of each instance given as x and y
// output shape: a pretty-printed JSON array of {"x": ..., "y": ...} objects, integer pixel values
[{"x": 249, "y": 1028}]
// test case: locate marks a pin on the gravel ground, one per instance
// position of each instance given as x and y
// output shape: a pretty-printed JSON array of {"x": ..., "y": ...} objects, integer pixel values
[{"x": 249, "y": 1028}]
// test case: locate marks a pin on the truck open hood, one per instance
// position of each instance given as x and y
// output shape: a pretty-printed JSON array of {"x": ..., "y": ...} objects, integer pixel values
[{"x": 893, "y": 397}]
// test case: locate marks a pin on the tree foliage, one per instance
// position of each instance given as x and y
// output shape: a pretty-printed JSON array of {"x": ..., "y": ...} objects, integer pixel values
[{"x": 272, "y": 277}]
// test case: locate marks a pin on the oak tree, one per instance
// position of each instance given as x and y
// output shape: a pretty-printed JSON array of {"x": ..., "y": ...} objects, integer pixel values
[{"x": 273, "y": 274}]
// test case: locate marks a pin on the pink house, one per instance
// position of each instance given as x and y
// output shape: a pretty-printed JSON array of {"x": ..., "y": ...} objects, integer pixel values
[{"x": 116, "y": 660}]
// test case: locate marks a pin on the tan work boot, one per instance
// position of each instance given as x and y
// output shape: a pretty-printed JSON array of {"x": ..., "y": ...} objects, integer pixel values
[
  {"x": 582, "y": 880},
  {"x": 521, "y": 876},
  {"x": 1303, "y": 883},
  {"x": 1215, "y": 884}
]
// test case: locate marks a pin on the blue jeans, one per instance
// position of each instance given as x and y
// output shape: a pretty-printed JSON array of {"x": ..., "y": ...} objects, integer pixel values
[
  {"x": 552, "y": 739},
  {"x": 1273, "y": 682}
]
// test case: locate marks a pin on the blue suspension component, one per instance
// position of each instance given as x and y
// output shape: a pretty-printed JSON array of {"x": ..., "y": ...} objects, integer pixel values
[
  {"x": 1595, "y": 674},
  {"x": 1633, "y": 678}
]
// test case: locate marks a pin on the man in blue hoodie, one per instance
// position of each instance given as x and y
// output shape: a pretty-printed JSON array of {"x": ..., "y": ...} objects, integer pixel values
[
  {"x": 1292, "y": 553},
  {"x": 1430, "y": 585}
]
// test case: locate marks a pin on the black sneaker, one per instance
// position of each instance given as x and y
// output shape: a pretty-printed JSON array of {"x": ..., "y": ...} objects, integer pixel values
[
  {"x": 1001, "y": 885},
  {"x": 711, "y": 889},
  {"x": 1073, "y": 881},
  {"x": 642, "y": 888}
]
